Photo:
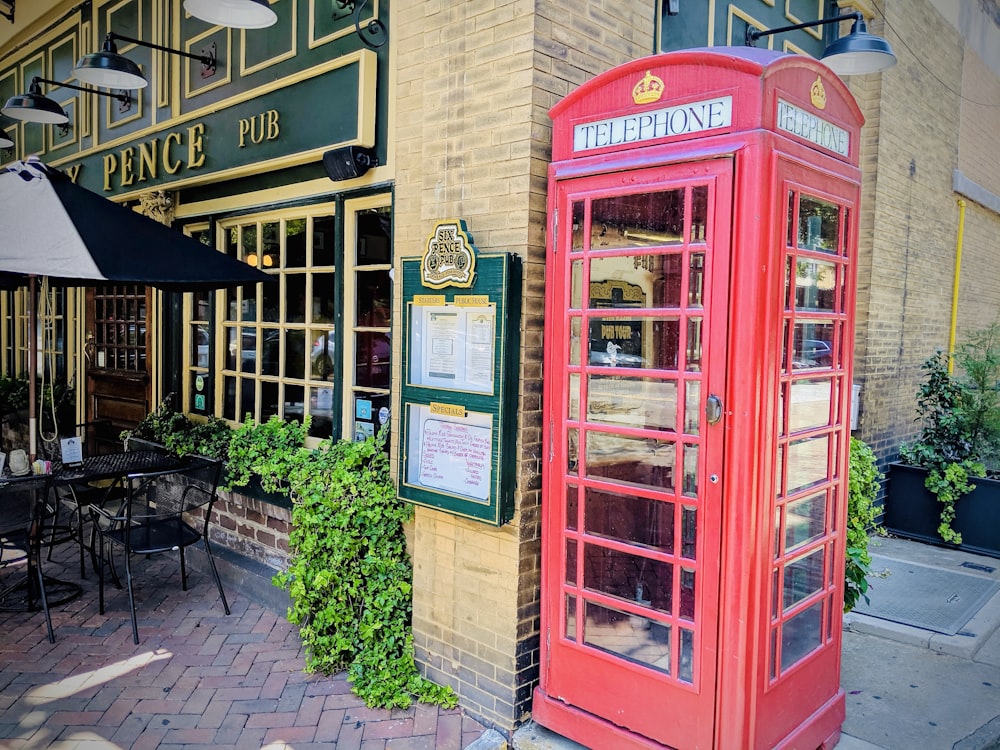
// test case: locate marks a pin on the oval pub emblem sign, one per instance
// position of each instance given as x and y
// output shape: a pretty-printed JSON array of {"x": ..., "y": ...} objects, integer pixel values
[{"x": 450, "y": 258}]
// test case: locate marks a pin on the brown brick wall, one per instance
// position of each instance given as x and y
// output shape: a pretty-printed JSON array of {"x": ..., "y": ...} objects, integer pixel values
[
  {"x": 254, "y": 528},
  {"x": 474, "y": 83}
]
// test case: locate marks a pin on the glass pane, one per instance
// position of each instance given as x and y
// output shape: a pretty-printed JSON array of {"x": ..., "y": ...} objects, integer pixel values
[
  {"x": 571, "y": 618},
  {"x": 694, "y": 344},
  {"x": 812, "y": 345},
  {"x": 292, "y": 406},
  {"x": 634, "y": 402},
  {"x": 200, "y": 343},
  {"x": 248, "y": 398},
  {"x": 696, "y": 280},
  {"x": 576, "y": 285},
  {"x": 573, "y": 394},
  {"x": 807, "y": 462},
  {"x": 630, "y": 577},
  {"x": 687, "y": 594},
  {"x": 571, "y": 561},
  {"x": 322, "y": 297},
  {"x": 800, "y": 635},
  {"x": 248, "y": 244},
  {"x": 805, "y": 520},
  {"x": 572, "y": 448},
  {"x": 809, "y": 403},
  {"x": 374, "y": 246},
  {"x": 632, "y": 637},
  {"x": 372, "y": 352},
  {"x": 815, "y": 285},
  {"x": 271, "y": 303},
  {"x": 578, "y": 233},
  {"x": 631, "y": 519},
  {"x": 269, "y": 400},
  {"x": 295, "y": 298},
  {"x": 229, "y": 397},
  {"x": 321, "y": 410},
  {"x": 692, "y": 407},
  {"x": 818, "y": 224},
  {"x": 691, "y": 470},
  {"x": 634, "y": 342},
  {"x": 575, "y": 324},
  {"x": 248, "y": 349},
  {"x": 373, "y": 298},
  {"x": 572, "y": 506},
  {"x": 790, "y": 239},
  {"x": 699, "y": 213},
  {"x": 295, "y": 351},
  {"x": 640, "y": 220},
  {"x": 686, "y": 671},
  {"x": 270, "y": 349},
  {"x": 630, "y": 460},
  {"x": 270, "y": 256},
  {"x": 295, "y": 243},
  {"x": 654, "y": 281},
  {"x": 803, "y": 578},
  {"x": 689, "y": 530},
  {"x": 322, "y": 351},
  {"x": 323, "y": 241}
]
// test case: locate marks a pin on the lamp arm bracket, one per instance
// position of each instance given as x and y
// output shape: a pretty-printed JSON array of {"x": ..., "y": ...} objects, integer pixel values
[
  {"x": 9, "y": 15},
  {"x": 122, "y": 96},
  {"x": 207, "y": 59},
  {"x": 752, "y": 34},
  {"x": 374, "y": 27}
]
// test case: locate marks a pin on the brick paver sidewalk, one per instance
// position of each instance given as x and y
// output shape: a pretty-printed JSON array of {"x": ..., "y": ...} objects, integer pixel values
[{"x": 197, "y": 679}]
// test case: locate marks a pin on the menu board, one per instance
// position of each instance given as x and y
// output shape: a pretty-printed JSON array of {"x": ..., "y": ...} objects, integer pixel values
[
  {"x": 458, "y": 401},
  {"x": 450, "y": 453},
  {"x": 452, "y": 346}
]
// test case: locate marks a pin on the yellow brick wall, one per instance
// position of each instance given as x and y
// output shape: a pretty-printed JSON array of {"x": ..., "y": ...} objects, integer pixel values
[
  {"x": 474, "y": 82},
  {"x": 909, "y": 217}
]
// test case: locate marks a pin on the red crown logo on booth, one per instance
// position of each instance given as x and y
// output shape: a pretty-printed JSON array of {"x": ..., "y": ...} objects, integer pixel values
[{"x": 648, "y": 90}]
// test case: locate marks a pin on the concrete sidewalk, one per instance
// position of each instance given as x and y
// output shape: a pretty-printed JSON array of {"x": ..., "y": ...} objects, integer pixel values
[{"x": 907, "y": 688}]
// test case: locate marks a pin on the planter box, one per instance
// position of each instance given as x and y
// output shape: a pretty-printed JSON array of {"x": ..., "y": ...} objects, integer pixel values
[{"x": 913, "y": 512}]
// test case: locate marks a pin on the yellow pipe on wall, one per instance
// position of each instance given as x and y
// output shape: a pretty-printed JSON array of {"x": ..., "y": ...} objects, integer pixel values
[{"x": 954, "y": 288}]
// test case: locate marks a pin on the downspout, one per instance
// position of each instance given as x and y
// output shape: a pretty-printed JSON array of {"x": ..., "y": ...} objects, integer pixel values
[{"x": 954, "y": 288}]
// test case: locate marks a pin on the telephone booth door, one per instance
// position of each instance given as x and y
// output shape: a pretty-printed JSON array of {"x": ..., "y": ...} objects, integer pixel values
[{"x": 639, "y": 308}]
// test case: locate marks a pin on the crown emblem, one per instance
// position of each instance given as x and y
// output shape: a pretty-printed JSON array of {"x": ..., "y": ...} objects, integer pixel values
[
  {"x": 818, "y": 94},
  {"x": 648, "y": 90}
]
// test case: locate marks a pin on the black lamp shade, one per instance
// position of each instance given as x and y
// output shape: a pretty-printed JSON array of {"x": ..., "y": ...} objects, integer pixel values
[
  {"x": 858, "y": 53},
  {"x": 110, "y": 70},
  {"x": 34, "y": 107},
  {"x": 240, "y": 14}
]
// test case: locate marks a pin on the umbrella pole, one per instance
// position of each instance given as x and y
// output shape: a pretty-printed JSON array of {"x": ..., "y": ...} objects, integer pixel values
[{"x": 32, "y": 367}]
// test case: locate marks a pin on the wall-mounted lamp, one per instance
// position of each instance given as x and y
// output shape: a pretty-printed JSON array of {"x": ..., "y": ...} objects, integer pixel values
[
  {"x": 5, "y": 140},
  {"x": 36, "y": 107},
  {"x": 7, "y": 11},
  {"x": 239, "y": 14},
  {"x": 109, "y": 69},
  {"x": 857, "y": 53}
]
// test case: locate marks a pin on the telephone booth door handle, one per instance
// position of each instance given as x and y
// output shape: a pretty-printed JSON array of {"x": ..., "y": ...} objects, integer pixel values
[{"x": 713, "y": 409}]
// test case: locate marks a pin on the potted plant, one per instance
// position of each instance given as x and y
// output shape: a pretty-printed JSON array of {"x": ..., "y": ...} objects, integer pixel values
[
  {"x": 942, "y": 490},
  {"x": 863, "y": 483}
]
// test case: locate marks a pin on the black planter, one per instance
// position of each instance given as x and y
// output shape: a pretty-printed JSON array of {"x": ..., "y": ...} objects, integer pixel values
[{"x": 913, "y": 512}]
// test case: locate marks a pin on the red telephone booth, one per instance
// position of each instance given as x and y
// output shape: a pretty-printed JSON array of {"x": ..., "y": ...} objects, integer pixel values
[{"x": 703, "y": 210}]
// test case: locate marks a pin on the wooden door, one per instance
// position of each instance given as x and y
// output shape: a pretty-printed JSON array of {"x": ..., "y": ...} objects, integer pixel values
[
  {"x": 638, "y": 285},
  {"x": 119, "y": 382}
]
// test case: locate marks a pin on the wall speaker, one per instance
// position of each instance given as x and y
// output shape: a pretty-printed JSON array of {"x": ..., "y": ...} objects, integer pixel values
[{"x": 348, "y": 162}]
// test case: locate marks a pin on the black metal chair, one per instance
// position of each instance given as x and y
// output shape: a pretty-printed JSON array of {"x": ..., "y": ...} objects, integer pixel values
[
  {"x": 163, "y": 511},
  {"x": 23, "y": 510},
  {"x": 75, "y": 497}
]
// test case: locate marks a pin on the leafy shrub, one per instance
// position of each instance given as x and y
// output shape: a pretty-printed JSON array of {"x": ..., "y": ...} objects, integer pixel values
[
  {"x": 350, "y": 578},
  {"x": 862, "y": 490}
]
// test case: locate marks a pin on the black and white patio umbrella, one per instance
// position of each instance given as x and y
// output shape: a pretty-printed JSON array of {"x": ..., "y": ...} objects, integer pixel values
[{"x": 51, "y": 227}]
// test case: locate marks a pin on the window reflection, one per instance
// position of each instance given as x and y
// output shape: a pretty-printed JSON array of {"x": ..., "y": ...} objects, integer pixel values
[{"x": 818, "y": 224}]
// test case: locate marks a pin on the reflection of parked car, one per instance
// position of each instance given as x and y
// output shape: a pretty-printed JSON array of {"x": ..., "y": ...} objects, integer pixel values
[
  {"x": 812, "y": 353},
  {"x": 373, "y": 360},
  {"x": 322, "y": 355},
  {"x": 613, "y": 356}
]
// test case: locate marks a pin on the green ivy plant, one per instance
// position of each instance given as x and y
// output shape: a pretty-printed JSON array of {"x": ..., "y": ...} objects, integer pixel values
[
  {"x": 863, "y": 483},
  {"x": 350, "y": 577},
  {"x": 180, "y": 434},
  {"x": 267, "y": 450}
]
